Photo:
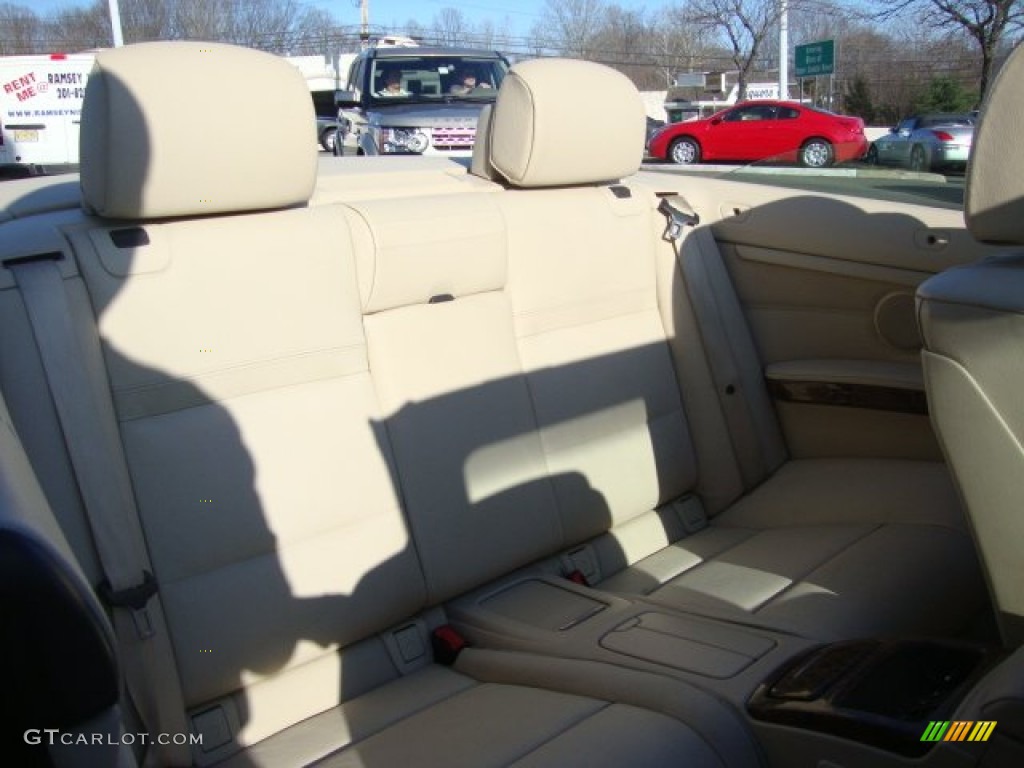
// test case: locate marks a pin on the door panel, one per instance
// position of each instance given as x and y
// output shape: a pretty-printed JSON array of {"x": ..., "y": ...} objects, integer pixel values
[{"x": 826, "y": 284}]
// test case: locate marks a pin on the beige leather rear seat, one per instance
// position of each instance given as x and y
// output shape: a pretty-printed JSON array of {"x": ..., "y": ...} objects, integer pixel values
[
  {"x": 228, "y": 313},
  {"x": 829, "y": 548},
  {"x": 336, "y": 418}
]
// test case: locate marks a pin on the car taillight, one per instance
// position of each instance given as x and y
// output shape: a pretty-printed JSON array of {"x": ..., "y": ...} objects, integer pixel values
[{"x": 942, "y": 135}]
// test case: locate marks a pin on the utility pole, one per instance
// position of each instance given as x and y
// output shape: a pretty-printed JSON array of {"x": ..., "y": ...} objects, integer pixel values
[
  {"x": 364, "y": 23},
  {"x": 783, "y": 49},
  {"x": 115, "y": 23}
]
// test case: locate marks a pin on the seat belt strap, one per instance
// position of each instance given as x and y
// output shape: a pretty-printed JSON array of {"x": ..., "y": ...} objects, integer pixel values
[
  {"x": 73, "y": 365},
  {"x": 752, "y": 428}
]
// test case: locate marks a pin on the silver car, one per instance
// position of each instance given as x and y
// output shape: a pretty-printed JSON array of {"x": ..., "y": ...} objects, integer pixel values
[
  {"x": 926, "y": 142},
  {"x": 411, "y": 100}
]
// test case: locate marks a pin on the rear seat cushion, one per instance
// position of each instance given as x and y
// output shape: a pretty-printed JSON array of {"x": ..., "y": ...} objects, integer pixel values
[
  {"x": 498, "y": 708},
  {"x": 872, "y": 491},
  {"x": 829, "y": 549}
]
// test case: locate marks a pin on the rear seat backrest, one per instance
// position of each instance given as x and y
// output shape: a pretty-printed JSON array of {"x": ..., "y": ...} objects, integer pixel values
[
  {"x": 262, "y": 485},
  {"x": 457, "y": 410},
  {"x": 582, "y": 280}
]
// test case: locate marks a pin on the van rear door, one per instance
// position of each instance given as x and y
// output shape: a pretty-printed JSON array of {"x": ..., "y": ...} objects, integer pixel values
[{"x": 41, "y": 108}]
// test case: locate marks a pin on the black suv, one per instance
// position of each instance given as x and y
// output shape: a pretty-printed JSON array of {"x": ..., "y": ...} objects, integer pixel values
[{"x": 416, "y": 100}]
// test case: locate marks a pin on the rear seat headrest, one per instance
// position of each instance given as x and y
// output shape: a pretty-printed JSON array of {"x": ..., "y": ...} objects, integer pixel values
[
  {"x": 994, "y": 204},
  {"x": 544, "y": 132},
  {"x": 188, "y": 128}
]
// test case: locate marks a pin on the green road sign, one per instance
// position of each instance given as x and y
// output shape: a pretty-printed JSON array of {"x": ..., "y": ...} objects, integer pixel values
[{"x": 815, "y": 59}]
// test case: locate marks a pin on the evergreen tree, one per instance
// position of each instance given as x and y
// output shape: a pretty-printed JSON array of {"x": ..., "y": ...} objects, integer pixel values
[
  {"x": 943, "y": 94},
  {"x": 857, "y": 100}
]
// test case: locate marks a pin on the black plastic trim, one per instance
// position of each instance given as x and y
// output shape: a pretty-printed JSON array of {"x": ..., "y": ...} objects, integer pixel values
[{"x": 873, "y": 397}]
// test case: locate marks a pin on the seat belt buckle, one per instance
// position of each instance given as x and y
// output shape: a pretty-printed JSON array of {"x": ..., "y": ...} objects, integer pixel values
[
  {"x": 447, "y": 644},
  {"x": 677, "y": 220},
  {"x": 577, "y": 577},
  {"x": 134, "y": 599}
]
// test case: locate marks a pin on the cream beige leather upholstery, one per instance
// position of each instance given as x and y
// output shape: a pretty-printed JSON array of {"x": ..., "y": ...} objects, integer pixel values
[
  {"x": 809, "y": 543},
  {"x": 530, "y": 146},
  {"x": 149, "y": 144},
  {"x": 993, "y": 200},
  {"x": 338, "y": 417},
  {"x": 262, "y": 418},
  {"x": 971, "y": 319}
]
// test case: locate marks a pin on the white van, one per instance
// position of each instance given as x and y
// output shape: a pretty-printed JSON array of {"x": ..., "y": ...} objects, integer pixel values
[{"x": 41, "y": 108}]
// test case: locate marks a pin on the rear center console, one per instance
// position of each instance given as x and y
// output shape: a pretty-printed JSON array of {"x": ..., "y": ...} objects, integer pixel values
[
  {"x": 560, "y": 618},
  {"x": 873, "y": 702}
]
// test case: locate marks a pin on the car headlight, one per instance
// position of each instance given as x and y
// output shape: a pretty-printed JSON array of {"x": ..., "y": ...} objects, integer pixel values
[{"x": 403, "y": 140}]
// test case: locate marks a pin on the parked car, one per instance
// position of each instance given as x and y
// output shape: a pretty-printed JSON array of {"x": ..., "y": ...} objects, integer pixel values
[
  {"x": 653, "y": 126},
  {"x": 759, "y": 130},
  {"x": 326, "y": 132},
  {"x": 926, "y": 142},
  {"x": 326, "y": 118},
  {"x": 431, "y": 110}
]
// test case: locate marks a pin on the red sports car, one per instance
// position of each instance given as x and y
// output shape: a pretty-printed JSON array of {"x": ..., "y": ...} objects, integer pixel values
[{"x": 758, "y": 130}]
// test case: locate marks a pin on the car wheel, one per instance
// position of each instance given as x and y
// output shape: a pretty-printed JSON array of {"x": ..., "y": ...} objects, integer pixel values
[
  {"x": 872, "y": 156},
  {"x": 816, "y": 153},
  {"x": 328, "y": 139},
  {"x": 684, "y": 151},
  {"x": 918, "y": 159}
]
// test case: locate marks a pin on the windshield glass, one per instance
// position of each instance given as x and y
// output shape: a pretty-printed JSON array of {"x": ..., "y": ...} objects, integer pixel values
[{"x": 435, "y": 78}]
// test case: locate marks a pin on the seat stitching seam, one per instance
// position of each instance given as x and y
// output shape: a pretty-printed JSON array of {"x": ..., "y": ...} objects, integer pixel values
[
  {"x": 570, "y": 727},
  {"x": 803, "y": 577},
  {"x": 418, "y": 711}
]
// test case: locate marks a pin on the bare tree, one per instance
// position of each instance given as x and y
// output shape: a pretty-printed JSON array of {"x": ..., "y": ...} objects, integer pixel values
[
  {"x": 79, "y": 29},
  {"x": 200, "y": 20},
  {"x": 263, "y": 24},
  {"x": 570, "y": 27},
  {"x": 451, "y": 27},
  {"x": 677, "y": 46},
  {"x": 624, "y": 39},
  {"x": 143, "y": 20},
  {"x": 21, "y": 30},
  {"x": 743, "y": 25},
  {"x": 485, "y": 34},
  {"x": 987, "y": 22},
  {"x": 315, "y": 31},
  {"x": 821, "y": 20},
  {"x": 415, "y": 29}
]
